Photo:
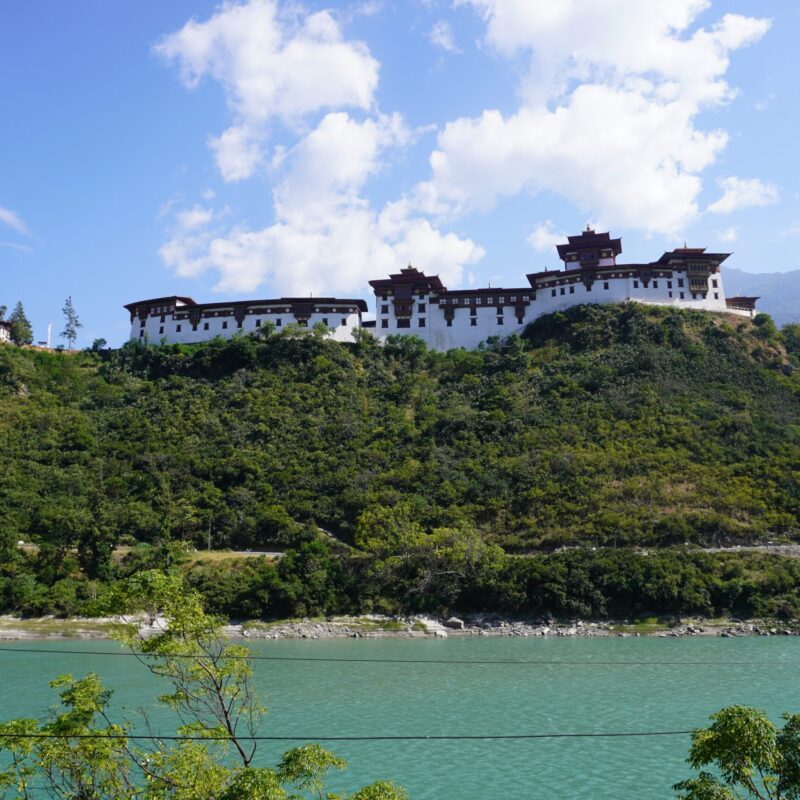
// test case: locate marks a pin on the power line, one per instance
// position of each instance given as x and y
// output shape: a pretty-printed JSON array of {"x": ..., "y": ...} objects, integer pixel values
[
  {"x": 387, "y": 738},
  {"x": 465, "y": 662}
]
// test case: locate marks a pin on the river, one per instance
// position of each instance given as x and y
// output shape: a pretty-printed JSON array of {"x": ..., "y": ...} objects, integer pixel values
[{"x": 663, "y": 684}]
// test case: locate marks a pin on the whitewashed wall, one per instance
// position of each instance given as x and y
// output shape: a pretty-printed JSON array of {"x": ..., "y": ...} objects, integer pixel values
[{"x": 155, "y": 331}]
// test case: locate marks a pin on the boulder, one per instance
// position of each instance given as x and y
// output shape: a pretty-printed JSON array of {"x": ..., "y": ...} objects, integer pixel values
[{"x": 455, "y": 623}]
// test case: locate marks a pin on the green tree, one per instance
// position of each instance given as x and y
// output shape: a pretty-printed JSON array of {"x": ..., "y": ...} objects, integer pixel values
[
  {"x": 71, "y": 323},
  {"x": 749, "y": 754},
  {"x": 21, "y": 330},
  {"x": 80, "y": 754}
]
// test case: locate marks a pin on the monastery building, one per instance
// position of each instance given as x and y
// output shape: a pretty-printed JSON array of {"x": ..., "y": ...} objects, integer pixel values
[{"x": 412, "y": 303}]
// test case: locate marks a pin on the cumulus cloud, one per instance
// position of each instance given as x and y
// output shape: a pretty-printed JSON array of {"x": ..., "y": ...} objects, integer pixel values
[
  {"x": 739, "y": 193},
  {"x": 326, "y": 237},
  {"x": 441, "y": 35},
  {"x": 545, "y": 236},
  {"x": 271, "y": 67},
  {"x": 607, "y": 112},
  {"x": 11, "y": 218}
]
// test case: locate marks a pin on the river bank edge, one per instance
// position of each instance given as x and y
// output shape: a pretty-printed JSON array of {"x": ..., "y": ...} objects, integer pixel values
[{"x": 377, "y": 626}]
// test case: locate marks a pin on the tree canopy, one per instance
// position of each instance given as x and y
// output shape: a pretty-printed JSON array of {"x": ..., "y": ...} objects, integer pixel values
[{"x": 579, "y": 469}]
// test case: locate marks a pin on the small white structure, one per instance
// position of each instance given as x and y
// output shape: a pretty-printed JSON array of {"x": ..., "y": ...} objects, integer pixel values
[
  {"x": 412, "y": 303},
  {"x": 5, "y": 331}
]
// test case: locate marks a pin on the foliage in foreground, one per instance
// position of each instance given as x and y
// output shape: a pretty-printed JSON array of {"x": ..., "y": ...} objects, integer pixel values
[
  {"x": 748, "y": 754},
  {"x": 605, "y": 427},
  {"x": 80, "y": 753}
]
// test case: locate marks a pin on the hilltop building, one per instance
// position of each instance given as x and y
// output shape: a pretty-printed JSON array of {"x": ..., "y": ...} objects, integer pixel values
[
  {"x": 410, "y": 302},
  {"x": 5, "y": 331}
]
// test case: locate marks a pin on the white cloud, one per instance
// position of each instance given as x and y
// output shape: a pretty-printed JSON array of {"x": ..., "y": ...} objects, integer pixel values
[
  {"x": 728, "y": 235},
  {"x": 739, "y": 193},
  {"x": 11, "y": 218},
  {"x": 607, "y": 113},
  {"x": 326, "y": 237},
  {"x": 22, "y": 248},
  {"x": 194, "y": 218},
  {"x": 545, "y": 236},
  {"x": 237, "y": 152},
  {"x": 271, "y": 67},
  {"x": 441, "y": 35}
]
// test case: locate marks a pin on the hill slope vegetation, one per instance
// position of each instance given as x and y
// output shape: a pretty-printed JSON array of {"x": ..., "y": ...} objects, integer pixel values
[{"x": 400, "y": 479}]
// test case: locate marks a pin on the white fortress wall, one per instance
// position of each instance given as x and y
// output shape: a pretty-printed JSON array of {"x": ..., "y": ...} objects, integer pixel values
[{"x": 412, "y": 303}]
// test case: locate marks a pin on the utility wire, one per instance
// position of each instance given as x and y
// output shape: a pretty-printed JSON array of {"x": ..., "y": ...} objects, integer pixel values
[
  {"x": 477, "y": 662},
  {"x": 401, "y": 738}
]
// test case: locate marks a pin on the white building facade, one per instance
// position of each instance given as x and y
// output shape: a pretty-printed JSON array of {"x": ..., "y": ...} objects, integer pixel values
[
  {"x": 174, "y": 320},
  {"x": 412, "y": 303}
]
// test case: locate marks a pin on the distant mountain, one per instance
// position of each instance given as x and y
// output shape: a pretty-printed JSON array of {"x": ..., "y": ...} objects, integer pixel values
[{"x": 779, "y": 291}]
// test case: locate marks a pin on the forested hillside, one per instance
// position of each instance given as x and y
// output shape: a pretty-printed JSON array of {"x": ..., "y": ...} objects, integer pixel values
[{"x": 402, "y": 479}]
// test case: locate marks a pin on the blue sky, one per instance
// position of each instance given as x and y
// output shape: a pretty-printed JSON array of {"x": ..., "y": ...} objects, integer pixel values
[{"x": 254, "y": 149}]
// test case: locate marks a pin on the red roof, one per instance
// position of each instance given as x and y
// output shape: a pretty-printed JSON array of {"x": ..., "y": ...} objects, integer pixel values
[
  {"x": 589, "y": 240},
  {"x": 409, "y": 276}
]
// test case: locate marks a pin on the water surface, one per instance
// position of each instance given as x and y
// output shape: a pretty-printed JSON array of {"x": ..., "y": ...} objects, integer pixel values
[{"x": 317, "y": 698}]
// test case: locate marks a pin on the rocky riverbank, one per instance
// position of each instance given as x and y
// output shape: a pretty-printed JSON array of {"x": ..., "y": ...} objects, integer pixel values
[
  {"x": 377, "y": 626},
  {"x": 484, "y": 625}
]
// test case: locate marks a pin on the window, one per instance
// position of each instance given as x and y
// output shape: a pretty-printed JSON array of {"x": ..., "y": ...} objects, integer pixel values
[
  {"x": 384, "y": 323},
  {"x": 141, "y": 334},
  {"x": 384, "y": 309},
  {"x": 303, "y": 323},
  {"x": 500, "y": 311},
  {"x": 636, "y": 284},
  {"x": 383, "y": 297},
  {"x": 669, "y": 284},
  {"x": 572, "y": 290},
  {"x": 473, "y": 311},
  {"x": 553, "y": 293},
  {"x": 163, "y": 318},
  {"x": 422, "y": 322},
  {"x": 404, "y": 323},
  {"x": 682, "y": 296},
  {"x": 344, "y": 320},
  {"x": 605, "y": 285},
  {"x": 141, "y": 324},
  {"x": 161, "y": 329},
  {"x": 205, "y": 326},
  {"x": 588, "y": 287},
  {"x": 473, "y": 321},
  {"x": 225, "y": 325},
  {"x": 716, "y": 295},
  {"x": 449, "y": 323},
  {"x": 715, "y": 284},
  {"x": 655, "y": 284},
  {"x": 194, "y": 327},
  {"x": 177, "y": 329},
  {"x": 258, "y": 323},
  {"x": 278, "y": 322},
  {"x": 680, "y": 283},
  {"x": 325, "y": 321},
  {"x": 500, "y": 320},
  {"x": 694, "y": 296},
  {"x": 670, "y": 294},
  {"x": 421, "y": 307},
  {"x": 562, "y": 290}
]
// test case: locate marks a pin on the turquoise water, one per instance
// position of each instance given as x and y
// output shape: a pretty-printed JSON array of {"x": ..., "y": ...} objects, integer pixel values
[{"x": 314, "y": 699}]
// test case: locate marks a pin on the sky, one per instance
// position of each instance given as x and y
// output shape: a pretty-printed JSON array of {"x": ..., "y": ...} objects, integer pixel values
[{"x": 262, "y": 148}]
